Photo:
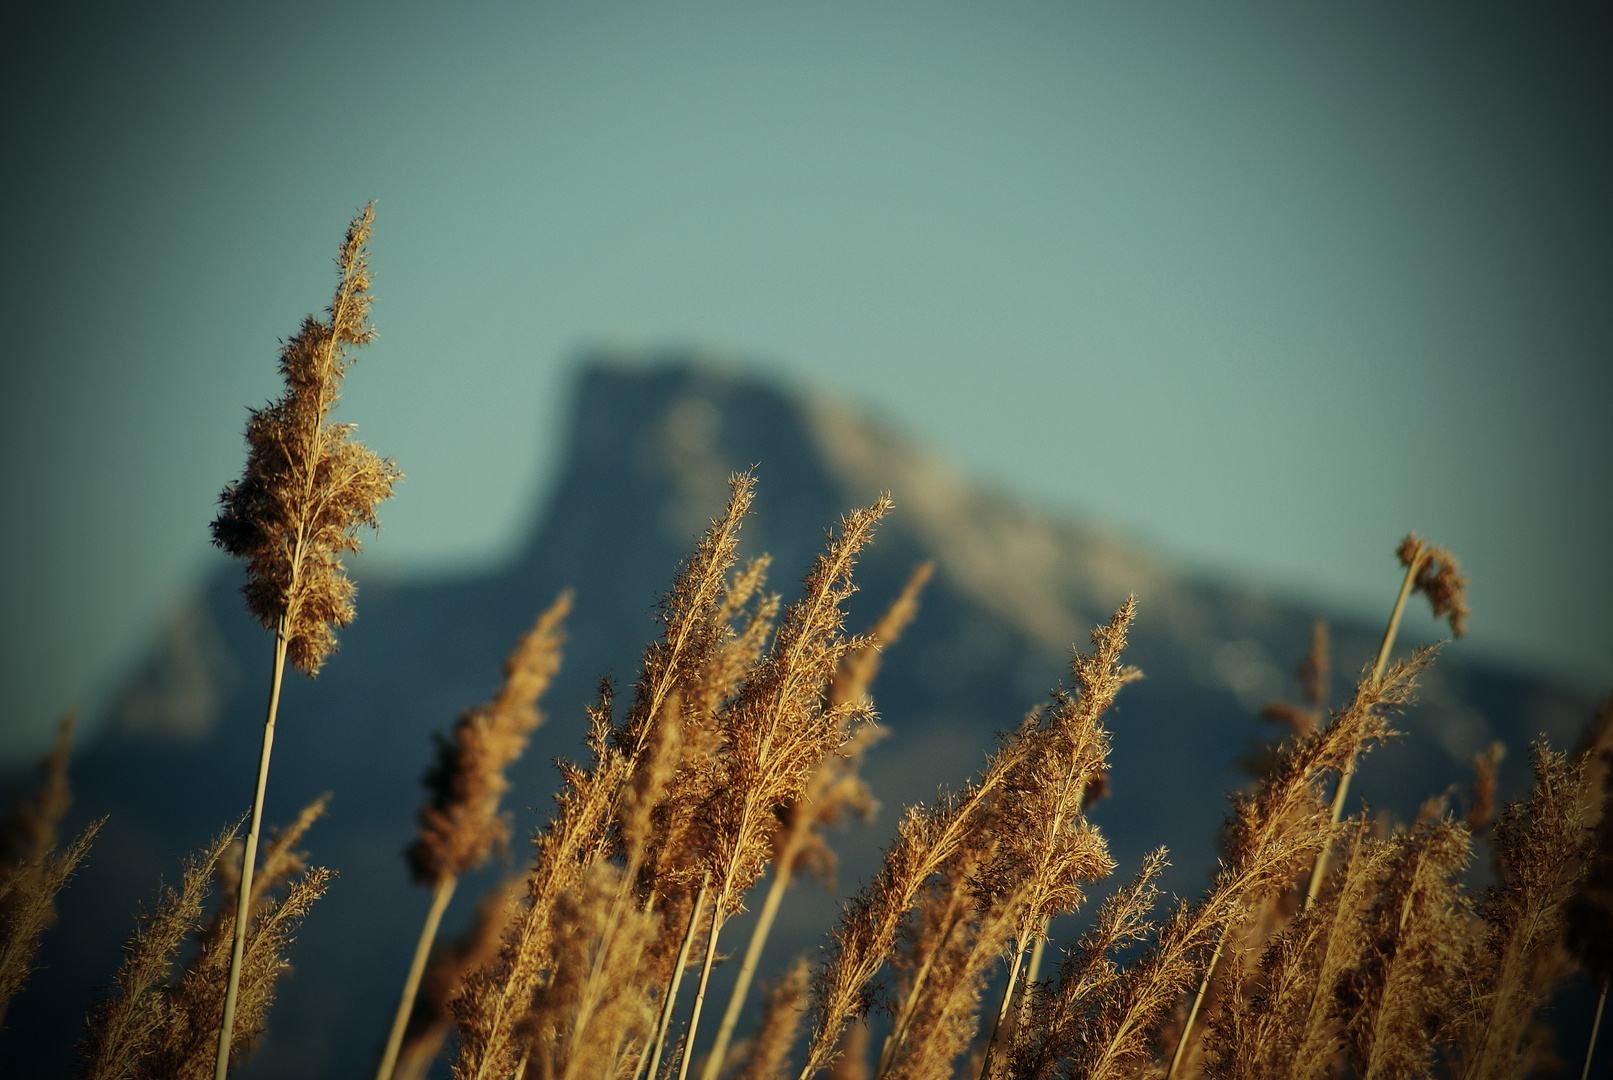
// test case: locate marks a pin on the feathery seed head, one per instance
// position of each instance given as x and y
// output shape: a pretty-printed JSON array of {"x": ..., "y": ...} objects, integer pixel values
[
  {"x": 1439, "y": 578},
  {"x": 307, "y": 487},
  {"x": 460, "y": 822}
]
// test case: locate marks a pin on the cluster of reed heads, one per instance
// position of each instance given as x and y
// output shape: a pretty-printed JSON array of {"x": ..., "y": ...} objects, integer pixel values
[{"x": 1328, "y": 944}]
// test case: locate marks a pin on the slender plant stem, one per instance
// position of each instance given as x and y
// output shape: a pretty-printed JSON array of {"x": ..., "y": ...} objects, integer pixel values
[
  {"x": 898, "y": 1035},
  {"x": 1198, "y": 1000},
  {"x": 1002, "y": 1009},
  {"x": 1032, "y": 970},
  {"x": 243, "y": 902},
  {"x": 654, "y": 1055},
  {"x": 1595, "y": 1025},
  {"x": 411, "y": 985},
  {"x": 1036, "y": 958},
  {"x": 700, "y": 991},
  {"x": 1319, "y": 871},
  {"x": 753, "y": 956}
]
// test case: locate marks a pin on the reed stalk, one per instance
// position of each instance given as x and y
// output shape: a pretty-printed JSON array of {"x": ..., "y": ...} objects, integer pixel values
[
  {"x": 653, "y": 1055},
  {"x": 1198, "y": 1002},
  {"x": 753, "y": 956},
  {"x": 700, "y": 989},
  {"x": 417, "y": 967},
  {"x": 243, "y": 904},
  {"x": 1433, "y": 572},
  {"x": 1596, "y": 1025},
  {"x": 304, "y": 493}
]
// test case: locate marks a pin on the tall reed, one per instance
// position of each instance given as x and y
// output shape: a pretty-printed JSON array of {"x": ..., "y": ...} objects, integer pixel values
[
  {"x": 306, "y": 490},
  {"x": 496, "y": 1000},
  {"x": 833, "y": 791},
  {"x": 1434, "y": 572},
  {"x": 460, "y": 823},
  {"x": 775, "y": 734}
]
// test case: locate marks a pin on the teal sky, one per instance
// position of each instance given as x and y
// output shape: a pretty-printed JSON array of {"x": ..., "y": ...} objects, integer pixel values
[{"x": 1263, "y": 286}]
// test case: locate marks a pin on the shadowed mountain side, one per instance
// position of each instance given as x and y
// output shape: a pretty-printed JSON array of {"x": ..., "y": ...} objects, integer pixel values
[{"x": 649, "y": 454}]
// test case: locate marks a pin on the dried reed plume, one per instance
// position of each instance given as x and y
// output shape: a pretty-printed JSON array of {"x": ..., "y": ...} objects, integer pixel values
[
  {"x": 151, "y": 1027},
  {"x": 834, "y": 791},
  {"x": 306, "y": 490},
  {"x": 31, "y": 830},
  {"x": 460, "y": 823},
  {"x": 1061, "y": 1019},
  {"x": 936, "y": 939},
  {"x": 1438, "y": 577},
  {"x": 28, "y": 909},
  {"x": 497, "y": 998},
  {"x": 122, "y": 1030},
  {"x": 31, "y": 872},
  {"x": 1048, "y": 850},
  {"x": 1486, "y": 769},
  {"x": 1589, "y": 932},
  {"x": 927, "y": 839},
  {"x": 945, "y": 1010},
  {"x": 776, "y": 732},
  {"x": 1294, "y": 1027},
  {"x": 590, "y": 1009},
  {"x": 1272, "y": 834},
  {"x": 1414, "y": 933}
]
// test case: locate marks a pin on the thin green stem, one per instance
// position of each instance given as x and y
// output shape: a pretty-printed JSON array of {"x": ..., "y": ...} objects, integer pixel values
[
  {"x": 417, "y": 967},
  {"x": 654, "y": 1055},
  {"x": 700, "y": 991},
  {"x": 1595, "y": 1026},
  {"x": 243, "y": 904},
  {"x": 747, "y": 970},
  {"x": 1002, "y": 1009},
  {"x": 1198, "y": 1000},
  {"x": 1319, "y": 870}
]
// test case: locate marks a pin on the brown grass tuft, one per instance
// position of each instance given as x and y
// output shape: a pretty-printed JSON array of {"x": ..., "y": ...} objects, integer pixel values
[{"x": 31, "y": 873}]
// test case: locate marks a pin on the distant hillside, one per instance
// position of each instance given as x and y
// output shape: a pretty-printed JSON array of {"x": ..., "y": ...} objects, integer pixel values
[{"x": 649, "y": 450}]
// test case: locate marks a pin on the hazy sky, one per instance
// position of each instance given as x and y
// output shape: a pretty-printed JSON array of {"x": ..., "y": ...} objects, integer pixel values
[{"x": 1263, "y": 286}]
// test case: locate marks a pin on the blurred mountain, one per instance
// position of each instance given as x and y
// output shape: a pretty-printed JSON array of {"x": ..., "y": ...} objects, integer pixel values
[{"x": 650, "y": 449}]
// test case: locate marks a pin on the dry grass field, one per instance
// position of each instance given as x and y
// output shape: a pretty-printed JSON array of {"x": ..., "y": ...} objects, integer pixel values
[{"x": 1331, "y": 942}]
